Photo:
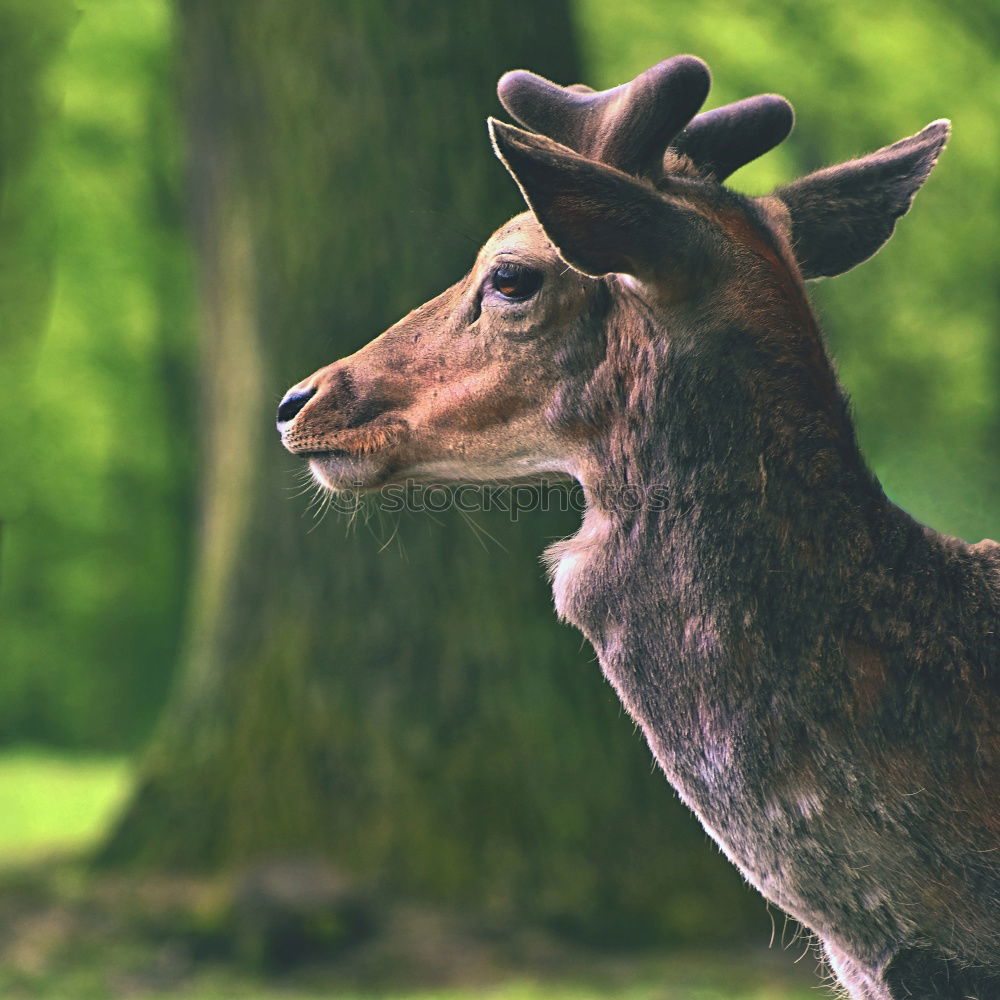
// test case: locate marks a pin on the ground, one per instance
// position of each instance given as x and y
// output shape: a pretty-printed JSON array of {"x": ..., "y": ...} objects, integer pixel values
[{"x": 286, "y": 930}]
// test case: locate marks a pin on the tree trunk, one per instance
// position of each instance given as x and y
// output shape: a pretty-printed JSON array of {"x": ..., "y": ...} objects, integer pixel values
[{"x": 411, "y": 709}]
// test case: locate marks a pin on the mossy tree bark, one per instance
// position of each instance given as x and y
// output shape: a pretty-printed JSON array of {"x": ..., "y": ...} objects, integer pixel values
[{"x": 415, "y": 714}]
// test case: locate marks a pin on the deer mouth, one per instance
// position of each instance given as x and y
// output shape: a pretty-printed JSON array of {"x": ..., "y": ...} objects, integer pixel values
[
  {"x": 369, "y": 439},
  {"x": 358, "y": 457}
]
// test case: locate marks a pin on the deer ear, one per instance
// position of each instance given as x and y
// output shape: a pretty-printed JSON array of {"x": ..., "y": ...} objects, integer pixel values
[
  {"x": 842, "y": 215},
  {"x": 601, "y": 220}
]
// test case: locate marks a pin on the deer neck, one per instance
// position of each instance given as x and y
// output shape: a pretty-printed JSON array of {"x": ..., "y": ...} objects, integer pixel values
[
  {"x": 728, "y": 506},
  {"x": 721, "y": 608}
]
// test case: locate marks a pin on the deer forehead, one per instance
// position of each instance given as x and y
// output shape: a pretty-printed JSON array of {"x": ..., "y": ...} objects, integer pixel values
[{"x": 523, "y": 239}]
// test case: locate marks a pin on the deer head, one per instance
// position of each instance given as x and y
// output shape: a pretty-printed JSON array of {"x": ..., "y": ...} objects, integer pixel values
[{"x": 629, "y": 228}]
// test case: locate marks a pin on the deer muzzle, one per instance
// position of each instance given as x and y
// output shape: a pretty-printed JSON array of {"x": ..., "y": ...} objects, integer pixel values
[{"x": 339, "y": 428}]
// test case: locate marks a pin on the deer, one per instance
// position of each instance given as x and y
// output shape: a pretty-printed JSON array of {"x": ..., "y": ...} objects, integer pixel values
[{"x": 816, "y": 673}]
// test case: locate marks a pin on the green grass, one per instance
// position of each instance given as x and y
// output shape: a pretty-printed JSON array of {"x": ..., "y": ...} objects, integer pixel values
[
  {"x": 670, "y": 979},
  {"x": 54, "y": 802},
  {"x": 513, "y": 991},
  {"x": 525, "y": 991}
]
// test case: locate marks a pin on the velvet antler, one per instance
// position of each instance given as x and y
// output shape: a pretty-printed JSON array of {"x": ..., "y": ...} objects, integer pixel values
[
  {"x": 630, "y": 127},
  {"x": 627, "y": 127},
  {"x": 721, "y": 141}
]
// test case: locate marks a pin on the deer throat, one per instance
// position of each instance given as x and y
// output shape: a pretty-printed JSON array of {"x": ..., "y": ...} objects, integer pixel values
[{"x": 570, "y": 563}]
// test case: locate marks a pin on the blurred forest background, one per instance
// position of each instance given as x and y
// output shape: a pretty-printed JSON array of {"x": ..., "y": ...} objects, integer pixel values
[{"x": 203, "y": 201}]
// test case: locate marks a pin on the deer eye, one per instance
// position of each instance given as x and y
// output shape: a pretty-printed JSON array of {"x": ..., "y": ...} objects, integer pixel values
[{"x": 516, "y": 282}]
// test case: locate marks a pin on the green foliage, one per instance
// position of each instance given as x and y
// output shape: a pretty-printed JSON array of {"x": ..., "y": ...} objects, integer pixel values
[
  {"x": 31, "y": 35},
  {"x": 96, "y": 455}
]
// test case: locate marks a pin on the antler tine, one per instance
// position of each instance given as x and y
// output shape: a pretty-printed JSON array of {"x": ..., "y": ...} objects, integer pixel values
[
  {"x": 627, "y": 127},
  {"x": 724, "y": 139}
]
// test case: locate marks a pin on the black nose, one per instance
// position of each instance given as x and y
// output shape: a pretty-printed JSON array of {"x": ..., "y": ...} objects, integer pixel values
[{"x": 291, "y": 404}]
